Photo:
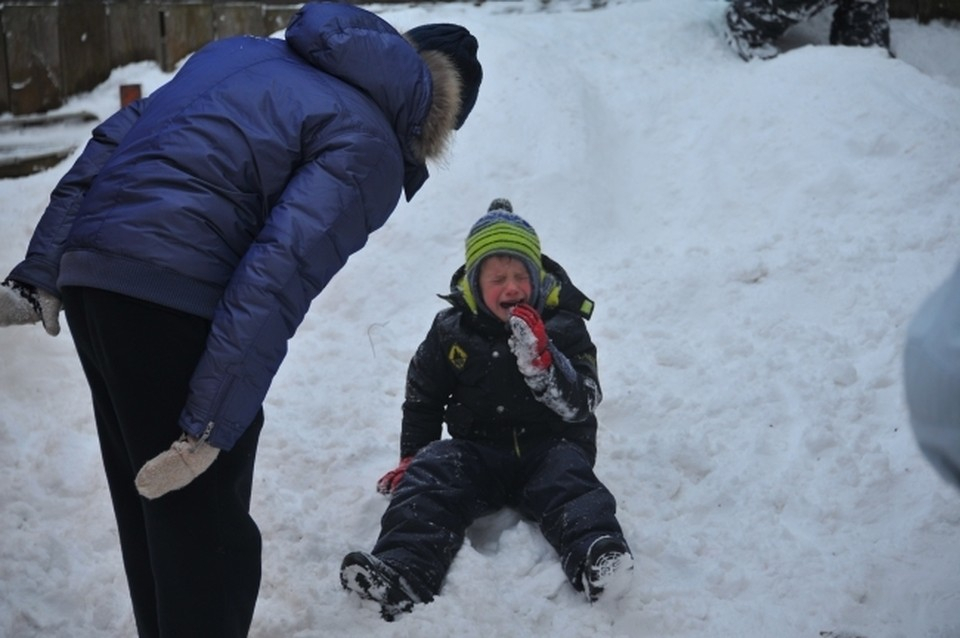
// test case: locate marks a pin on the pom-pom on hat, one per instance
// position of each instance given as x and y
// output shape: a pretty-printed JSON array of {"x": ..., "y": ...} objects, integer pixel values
[
  {"x": 461, "y": 47},
  {"x": 501, "y": 232}
]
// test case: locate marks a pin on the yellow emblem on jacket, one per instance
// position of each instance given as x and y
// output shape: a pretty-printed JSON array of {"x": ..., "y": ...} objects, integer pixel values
[{"x": 457, "y": 356}]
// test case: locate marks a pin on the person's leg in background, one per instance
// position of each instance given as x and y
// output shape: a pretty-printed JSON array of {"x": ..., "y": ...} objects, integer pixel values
[
  {"x": 754, "y": 26},
  {"x": 862, "y": 23}
]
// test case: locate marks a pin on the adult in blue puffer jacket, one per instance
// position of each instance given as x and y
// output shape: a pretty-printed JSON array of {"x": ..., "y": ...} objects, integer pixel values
[{"x": 186, "y": 245}]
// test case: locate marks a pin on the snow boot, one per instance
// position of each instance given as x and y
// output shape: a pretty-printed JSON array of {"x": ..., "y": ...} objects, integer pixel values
[
  {"x": 607, "y": 569},
  {"x": 745, "y": 39},
  {"x": 861, "y": 23},
  {"x": 372, "y": 579}
]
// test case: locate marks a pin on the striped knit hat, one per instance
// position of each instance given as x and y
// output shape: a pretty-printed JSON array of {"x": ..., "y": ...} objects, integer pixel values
[{"x": 501, "y": 232}]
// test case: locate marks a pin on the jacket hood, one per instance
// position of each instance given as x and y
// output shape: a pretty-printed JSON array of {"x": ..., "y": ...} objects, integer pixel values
[
  {"x": 360, "y": 48},
  {"x": 559, "y": 293}
]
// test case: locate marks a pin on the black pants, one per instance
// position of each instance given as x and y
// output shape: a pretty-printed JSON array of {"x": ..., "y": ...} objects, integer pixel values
[
  {"x": 453, "y": 482},
  {"x": 192, "y": 557}
]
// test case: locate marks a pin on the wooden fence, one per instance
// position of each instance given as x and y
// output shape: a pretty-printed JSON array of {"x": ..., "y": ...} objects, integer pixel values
[{"x": 51, "y": 49}]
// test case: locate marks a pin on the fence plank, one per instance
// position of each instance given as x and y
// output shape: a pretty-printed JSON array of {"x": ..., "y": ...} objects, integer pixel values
[
  {"x": 184, "y": 28},
  {"x": 134, "y": 32},
  {"x": 275, "y": 18},
  {"x": 33, "y": 58},
  {"x": 4, "y": 74},
  {"x": 902, "y": 8},
  {"x": 928, "y": 10},
  {"x": 84, "y": 46},
  {"x": 237, "y": 19}
]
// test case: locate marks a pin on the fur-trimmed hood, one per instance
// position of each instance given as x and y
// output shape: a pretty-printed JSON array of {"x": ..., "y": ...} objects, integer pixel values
[
  {"x": 419, "y": 93},
  {"x": 444, "y": 106}
]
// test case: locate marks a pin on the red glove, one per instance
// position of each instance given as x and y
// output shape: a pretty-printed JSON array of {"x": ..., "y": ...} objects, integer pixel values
[
  {"x": 388, "y": 482},
  {"x": 529, "y": 341}
]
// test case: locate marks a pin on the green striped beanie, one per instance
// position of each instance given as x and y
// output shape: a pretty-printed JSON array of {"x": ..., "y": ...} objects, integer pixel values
[{"x": 501, "y": 232}]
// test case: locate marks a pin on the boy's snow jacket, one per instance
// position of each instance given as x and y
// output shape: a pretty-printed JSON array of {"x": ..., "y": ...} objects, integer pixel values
[
  {"x": 464, "y": 374},
  {"x": 236, "y": 191}
]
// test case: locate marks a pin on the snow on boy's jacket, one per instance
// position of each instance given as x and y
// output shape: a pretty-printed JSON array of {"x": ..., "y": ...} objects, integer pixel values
[{"x": 154, "y": 208}]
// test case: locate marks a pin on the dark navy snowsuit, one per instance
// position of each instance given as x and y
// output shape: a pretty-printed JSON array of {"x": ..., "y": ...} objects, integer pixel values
[{"x": 506, "y": 448}]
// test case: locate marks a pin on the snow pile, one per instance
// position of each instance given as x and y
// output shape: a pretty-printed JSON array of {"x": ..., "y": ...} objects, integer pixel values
[{"x": 756, "y": 237}]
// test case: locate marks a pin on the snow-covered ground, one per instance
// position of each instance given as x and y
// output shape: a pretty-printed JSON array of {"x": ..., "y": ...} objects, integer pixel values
[{"x": 756, "y": 237}]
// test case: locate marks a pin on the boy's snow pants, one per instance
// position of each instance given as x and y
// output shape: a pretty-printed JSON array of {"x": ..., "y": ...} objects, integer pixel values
[
  {"x": 855, "y": 22},
  {"x": 452, "y": 482},
  {"x": 192, "y": 556}
]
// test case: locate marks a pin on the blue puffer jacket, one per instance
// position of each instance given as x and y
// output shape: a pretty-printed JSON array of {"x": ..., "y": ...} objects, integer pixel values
[{"x": 236, "y": 191}]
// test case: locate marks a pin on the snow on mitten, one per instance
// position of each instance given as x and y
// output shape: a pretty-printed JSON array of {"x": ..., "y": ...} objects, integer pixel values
[
  {"x": 22, "y": 304},
  {"x": 173, "y": 469},
  {"x": 529, "y": 341}
]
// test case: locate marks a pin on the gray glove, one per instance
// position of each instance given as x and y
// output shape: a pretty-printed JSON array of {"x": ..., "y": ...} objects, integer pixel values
[
  {"x": 186, "y": 459},
  {"x": 22, "y": 303}
]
